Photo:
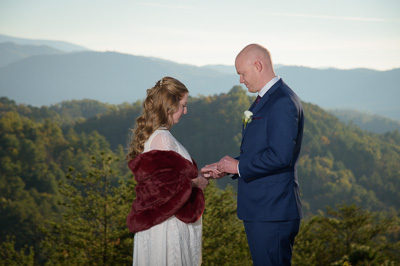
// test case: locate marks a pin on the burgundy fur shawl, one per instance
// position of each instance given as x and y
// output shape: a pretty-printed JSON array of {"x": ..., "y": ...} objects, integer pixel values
[{"x": 164, "y": 188}]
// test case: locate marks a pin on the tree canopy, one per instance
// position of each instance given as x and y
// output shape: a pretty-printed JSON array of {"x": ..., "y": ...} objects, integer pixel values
[{"x": 65, "y": 189}]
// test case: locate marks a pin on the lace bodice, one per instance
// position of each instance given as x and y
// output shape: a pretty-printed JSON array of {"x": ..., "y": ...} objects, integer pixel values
[{"x": 162, "y": 139}]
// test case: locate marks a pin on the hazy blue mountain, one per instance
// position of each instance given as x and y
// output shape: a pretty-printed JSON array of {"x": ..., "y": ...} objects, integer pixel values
[
  {"x": 366, "y": 90},
  {"x": 222, "y": 68},
  {"x": 11, "y": 52},
  {"x": 114, "y": 78},
  {"x": 60, "y": 45},
  {"x": 231, "y": 69},
  {"x": 105, "y": 76},
  {"x": 371, "y": 122}
]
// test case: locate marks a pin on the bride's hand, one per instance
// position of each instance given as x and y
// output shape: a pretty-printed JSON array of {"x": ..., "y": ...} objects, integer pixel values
[{"x": 200, "y": 182}]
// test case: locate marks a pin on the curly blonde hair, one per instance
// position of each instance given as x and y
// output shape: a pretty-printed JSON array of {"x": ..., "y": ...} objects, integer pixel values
[{"x": 161, "y": 103}]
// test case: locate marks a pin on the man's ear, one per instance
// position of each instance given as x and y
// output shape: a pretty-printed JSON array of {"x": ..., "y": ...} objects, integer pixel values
[{"x": 258, "y": 66}]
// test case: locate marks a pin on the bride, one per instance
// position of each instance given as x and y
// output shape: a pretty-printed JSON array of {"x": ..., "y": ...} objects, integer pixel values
[{"x": 166, "y": 214}]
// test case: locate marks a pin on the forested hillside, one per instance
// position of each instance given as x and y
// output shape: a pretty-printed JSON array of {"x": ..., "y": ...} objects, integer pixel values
[
  {"x": 371, "y": 122},
  {"x": 64, "y": 182},
  {"x": 339, "y": 163}
]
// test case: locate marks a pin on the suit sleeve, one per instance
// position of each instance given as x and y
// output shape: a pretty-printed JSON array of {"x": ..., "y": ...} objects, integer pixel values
[{"x": 277, "y": 156}]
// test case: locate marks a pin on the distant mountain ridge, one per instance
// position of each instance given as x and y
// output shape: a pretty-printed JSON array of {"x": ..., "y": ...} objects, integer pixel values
[
  {"x": 231, "y": 69},
  {"x": 114, "y": 78},
  {"x": 11, "y": 52},
  {"x": 108, "y": 77},
  {"x": 364, "y": 90},
  {"x": 59, "y": 45},
  {"x": 366, "y": 121}
]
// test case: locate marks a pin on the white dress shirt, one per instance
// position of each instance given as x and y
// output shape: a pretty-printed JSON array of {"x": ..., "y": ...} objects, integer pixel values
[{"x": 268, "y": 86}]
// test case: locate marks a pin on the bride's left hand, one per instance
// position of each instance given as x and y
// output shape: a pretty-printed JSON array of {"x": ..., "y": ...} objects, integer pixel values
[{"x": 200, "y": 182}]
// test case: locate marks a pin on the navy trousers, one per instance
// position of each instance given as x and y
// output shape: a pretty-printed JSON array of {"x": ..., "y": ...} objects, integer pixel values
[{"x": 271, "y": 243}]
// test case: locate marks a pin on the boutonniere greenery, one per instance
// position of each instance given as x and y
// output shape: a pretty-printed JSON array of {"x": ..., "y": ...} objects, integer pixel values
[{"x": 247, "y": 117}]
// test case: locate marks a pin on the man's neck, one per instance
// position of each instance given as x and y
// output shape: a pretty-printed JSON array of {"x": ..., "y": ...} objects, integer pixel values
[{"x": 268, "y": 86}]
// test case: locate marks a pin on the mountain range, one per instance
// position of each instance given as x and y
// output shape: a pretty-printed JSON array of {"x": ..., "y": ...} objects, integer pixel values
[
  {"x": 59, "y": 45},
  {"x": 47, "y": 72}
]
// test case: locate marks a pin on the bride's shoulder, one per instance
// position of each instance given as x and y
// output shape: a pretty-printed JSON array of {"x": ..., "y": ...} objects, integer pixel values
[
  {"x": 162, "y": 140},
  {"x": 161, "y": 133}
]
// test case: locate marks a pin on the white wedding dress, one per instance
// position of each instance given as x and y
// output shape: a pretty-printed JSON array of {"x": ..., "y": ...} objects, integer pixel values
[{"x": 172, "y": 242}]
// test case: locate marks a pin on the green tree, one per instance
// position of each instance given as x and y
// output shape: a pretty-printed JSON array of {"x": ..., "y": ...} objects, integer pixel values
[
  {"x": 76, "y": 109},
  {"x": 28, "y": 176},
  {"x": 94, "y": 230},
  {"x": 347, "y": 234},
  {"x": 10, "y": 257},
  {"x": 224, "y": 238}
]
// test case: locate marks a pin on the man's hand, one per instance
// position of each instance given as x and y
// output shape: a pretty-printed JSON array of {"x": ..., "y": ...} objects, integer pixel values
[
  {"x": 228, "y": 165},
  {"x": 211, "y": 171}
]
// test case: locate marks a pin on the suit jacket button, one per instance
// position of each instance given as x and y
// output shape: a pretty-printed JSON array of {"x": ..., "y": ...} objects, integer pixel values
[{"x": 241, "y": 151}]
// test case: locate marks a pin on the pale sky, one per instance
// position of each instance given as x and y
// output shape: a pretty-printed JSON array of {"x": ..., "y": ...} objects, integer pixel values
[{"x": 314, "y": 33}]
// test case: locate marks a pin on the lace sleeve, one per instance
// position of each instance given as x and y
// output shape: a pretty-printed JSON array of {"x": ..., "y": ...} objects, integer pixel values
[{"x": 163, "y": 141}]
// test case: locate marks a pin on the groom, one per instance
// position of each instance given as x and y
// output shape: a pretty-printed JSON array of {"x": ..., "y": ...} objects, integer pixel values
[{"x": 268, "y": 190}]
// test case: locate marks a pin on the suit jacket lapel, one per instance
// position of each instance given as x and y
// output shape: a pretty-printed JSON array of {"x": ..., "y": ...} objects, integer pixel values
[
  {"x": 266, "y": 96},
  {"x": 254, "y": 108}
]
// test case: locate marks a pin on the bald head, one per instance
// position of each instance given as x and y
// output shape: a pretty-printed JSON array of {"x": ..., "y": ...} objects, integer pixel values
[
  {"x": 255, "y": 59},
  {"x": 255, "y": 52}
]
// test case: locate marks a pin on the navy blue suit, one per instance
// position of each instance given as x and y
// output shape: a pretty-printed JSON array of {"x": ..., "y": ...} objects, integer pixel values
[{"x": 268, "y": 190}]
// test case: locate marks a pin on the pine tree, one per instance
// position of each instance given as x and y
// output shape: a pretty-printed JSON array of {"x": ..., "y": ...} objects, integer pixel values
[
  {"x": 94, "y": 230},
  {"x": 224, "y": 238},
  {"x": 9, "y": 256},
  {"x": 348, "y": 234}
]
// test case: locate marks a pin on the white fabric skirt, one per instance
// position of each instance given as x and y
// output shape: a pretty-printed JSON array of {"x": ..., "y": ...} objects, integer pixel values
[{"x": 172, "y": 243}]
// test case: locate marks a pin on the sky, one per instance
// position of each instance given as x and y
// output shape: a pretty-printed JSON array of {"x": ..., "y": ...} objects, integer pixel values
[{"x": 342, "y": 34}]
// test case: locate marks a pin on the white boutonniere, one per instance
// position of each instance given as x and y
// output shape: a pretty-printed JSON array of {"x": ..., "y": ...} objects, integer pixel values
[{"x": 247, "y": 117}]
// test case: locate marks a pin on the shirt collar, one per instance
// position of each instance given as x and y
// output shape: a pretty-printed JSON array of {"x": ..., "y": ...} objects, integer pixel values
[{"x": 268, "y": 86}]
